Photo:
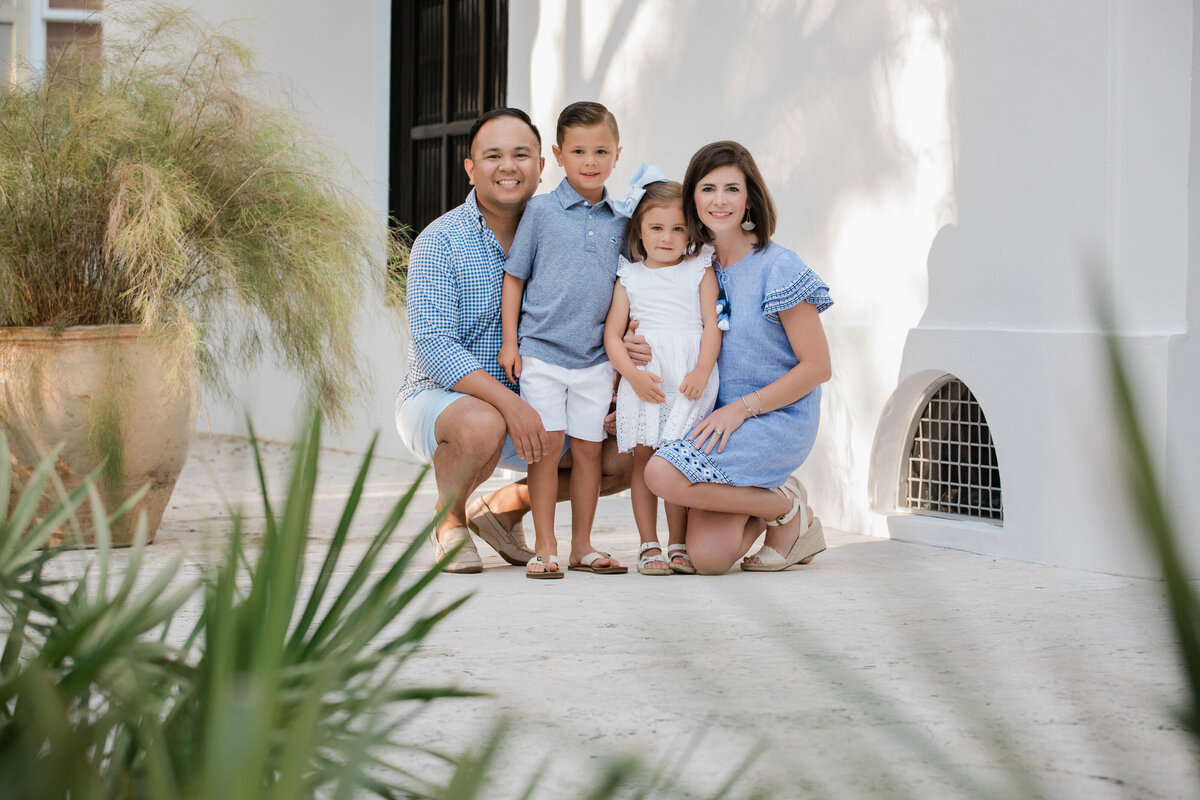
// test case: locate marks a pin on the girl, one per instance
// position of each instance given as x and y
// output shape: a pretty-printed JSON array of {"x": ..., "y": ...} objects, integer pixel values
[
  {"x": 734, "y": 471},
  {"x": 671, "y": 291}
]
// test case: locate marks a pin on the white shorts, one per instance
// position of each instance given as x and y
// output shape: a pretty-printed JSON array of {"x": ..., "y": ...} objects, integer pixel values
[{"x": 571, "y": 400}]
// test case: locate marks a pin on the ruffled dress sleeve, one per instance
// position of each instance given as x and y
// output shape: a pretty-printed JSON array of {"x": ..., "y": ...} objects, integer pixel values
[
  {"x": 701, "y": 261},
  {"x": 624, "y": 270},
  {"x": 789, "y": 283}
]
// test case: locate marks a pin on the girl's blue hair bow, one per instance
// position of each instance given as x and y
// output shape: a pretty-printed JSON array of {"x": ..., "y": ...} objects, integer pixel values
[{"x": 643, "y": 176}]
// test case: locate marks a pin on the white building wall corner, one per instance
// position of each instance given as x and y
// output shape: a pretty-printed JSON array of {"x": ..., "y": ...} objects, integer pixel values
[
  {"x": 1182, "y": 464},
  {"x": 950, "y": 169},
  {"x": 1085, "y": 163}
]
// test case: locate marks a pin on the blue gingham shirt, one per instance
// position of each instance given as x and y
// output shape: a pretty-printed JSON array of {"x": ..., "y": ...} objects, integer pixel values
[{"x": 455, "y": 271}]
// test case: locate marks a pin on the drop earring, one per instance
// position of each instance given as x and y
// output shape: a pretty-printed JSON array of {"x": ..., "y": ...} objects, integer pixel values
[{"x": 747, "y": 223}]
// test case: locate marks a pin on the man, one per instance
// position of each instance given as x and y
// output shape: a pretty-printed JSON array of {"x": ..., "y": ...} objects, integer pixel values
[{"x": 457, "y": 407}]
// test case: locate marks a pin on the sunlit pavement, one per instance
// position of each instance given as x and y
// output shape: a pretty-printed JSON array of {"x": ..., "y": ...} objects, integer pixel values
[{"x": 884, "y": 669}]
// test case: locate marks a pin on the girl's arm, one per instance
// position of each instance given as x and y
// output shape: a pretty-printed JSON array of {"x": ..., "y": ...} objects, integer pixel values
[
  {"x": 511, "y": 293},
  {"x": 807, "y": 337},
  {"x": 710, "y": 341},
  {"x": 642, "y": 381}
]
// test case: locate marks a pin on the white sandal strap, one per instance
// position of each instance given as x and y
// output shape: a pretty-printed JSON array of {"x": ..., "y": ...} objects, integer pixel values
[
  {"x": 539, "y": 560},
  {"x": 677, "y": 548},
  {"x": 792, "y": 488},
  {"x": 649, "y": 546}
]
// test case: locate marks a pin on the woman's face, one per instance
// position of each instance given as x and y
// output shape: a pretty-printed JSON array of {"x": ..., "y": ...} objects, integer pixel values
[{"x": 721, "y": 200}]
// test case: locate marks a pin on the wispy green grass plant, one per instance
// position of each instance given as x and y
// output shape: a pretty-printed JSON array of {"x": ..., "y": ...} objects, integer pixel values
[{"x": 165, "y": 184}]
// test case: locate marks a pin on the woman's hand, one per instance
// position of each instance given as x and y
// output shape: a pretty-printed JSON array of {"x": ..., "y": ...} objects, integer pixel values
[
  {"x": 509, "y": 360},
  {"x": 637, "y": 346},
  {"x": 715, "y": 429},
  {"x": 694, "y": 383}
]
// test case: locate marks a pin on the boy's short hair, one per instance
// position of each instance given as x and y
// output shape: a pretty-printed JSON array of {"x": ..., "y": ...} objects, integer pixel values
[
  {"x": 585, "y": 114},
  {"x": 760, "y": 208},
  {"x": 658, "y": 195},
  {"x": 502, "y": 111}
]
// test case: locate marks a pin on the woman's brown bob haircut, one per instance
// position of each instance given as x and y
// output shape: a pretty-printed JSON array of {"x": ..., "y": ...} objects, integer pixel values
[
  {"x": 659, "y": 194},
  {"x": 760, "y": 208}
]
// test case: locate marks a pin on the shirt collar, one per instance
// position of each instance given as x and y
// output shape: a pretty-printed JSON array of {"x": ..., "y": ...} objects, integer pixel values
[
  {"x": 475, "y": 218},
  {"x": 568, "y": 197},
  {"x": 473, "y": 211}
]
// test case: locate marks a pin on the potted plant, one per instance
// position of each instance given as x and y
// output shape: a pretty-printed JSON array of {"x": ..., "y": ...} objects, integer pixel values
[{"x": 163, "y": 222}]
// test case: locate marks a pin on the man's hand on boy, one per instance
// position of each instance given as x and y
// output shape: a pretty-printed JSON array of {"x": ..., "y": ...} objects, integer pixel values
[{"x": 637, "y": 346}]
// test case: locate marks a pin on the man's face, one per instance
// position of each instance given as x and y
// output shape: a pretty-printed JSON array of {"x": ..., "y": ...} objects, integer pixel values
[{"x": 504, "y": 165}]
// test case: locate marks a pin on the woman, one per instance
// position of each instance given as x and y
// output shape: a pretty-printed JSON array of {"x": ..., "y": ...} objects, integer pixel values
[{"x": 734, "y": 472}]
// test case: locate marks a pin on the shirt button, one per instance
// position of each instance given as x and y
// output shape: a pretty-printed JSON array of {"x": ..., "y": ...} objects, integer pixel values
[
  {"x": 587, "y": 204},
  {"x": 590, "y": 233}
]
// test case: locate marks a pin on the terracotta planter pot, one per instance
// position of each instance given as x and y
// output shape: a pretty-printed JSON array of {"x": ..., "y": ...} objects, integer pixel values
[{"x": 103, "y": 390}]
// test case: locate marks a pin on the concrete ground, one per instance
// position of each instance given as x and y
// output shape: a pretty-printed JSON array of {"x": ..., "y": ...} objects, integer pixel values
[{"x": 884, "y": 669}]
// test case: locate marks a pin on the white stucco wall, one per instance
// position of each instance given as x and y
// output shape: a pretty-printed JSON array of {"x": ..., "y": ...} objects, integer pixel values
[
  {"x": 336, "y": 56},
  {"x": 961, "y": 174}
]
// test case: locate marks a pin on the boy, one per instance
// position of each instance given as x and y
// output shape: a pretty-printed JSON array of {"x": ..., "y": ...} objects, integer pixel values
[{"x": 558, "y": 284}]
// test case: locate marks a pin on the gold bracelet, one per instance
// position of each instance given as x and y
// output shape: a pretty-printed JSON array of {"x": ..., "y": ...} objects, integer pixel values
[
  {"x": 746, "y": 403},
  {"x": 760, "y": 402}
]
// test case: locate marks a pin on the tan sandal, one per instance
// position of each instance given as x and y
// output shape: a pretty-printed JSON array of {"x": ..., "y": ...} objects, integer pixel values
[
  {"x": 807, "y": 544},
  {"x": 794, "y": 489},
  {"x": 546, "y": 573}
]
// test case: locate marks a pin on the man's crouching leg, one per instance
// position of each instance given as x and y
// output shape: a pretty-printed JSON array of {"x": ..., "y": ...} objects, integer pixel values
[{"x": 470, "y": 436}]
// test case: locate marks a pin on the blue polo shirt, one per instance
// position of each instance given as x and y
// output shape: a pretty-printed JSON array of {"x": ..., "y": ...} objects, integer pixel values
[{"x": 566, "y": 251}]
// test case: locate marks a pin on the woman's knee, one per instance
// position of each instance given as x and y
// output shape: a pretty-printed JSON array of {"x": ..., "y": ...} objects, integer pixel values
[
  {"x": 663, "y": 479},
  {"x": 710, "y": 561}
]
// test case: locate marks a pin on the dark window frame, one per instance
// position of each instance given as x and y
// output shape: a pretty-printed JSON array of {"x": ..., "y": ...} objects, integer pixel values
[{"x": 440, "y": 84}]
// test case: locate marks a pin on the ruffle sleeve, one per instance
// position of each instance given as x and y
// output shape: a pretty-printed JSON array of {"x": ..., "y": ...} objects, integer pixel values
[
  {"x": 624, "y": 268},
  {"x": 702, "y": 260},
  {"x": 789, "y": 283}
]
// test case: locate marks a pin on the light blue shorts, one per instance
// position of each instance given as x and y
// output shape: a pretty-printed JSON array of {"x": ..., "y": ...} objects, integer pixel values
[{"x": 416, "y": 420}]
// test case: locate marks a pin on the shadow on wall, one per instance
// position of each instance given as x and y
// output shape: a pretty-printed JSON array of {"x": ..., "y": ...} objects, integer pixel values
[{"x": 845, "y": 105}]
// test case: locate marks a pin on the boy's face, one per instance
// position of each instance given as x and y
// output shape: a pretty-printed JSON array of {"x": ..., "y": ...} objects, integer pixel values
[
  {"x": 588, "y": 156},
  {"x": 504, "y": 165}
]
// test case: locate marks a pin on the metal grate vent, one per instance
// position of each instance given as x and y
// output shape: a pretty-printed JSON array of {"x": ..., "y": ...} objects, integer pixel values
[{"x": 952, "y": 467}]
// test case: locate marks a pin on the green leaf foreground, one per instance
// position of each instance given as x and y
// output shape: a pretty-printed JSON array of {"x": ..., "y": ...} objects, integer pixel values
[
  {"x": 1144, "y": 488},
  {"x": 270, "y": 695},
  {"x": 274, "y": 693}
]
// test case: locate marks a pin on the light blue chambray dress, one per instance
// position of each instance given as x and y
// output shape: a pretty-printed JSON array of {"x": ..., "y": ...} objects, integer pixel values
[{"x": 755, "y": 351}]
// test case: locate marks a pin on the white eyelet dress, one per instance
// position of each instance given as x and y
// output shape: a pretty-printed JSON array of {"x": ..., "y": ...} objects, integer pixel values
[{"x": 666, "y": 304}]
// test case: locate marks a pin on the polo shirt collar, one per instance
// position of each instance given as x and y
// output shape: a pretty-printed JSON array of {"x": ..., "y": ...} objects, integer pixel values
[{"x": 568, "y": 197}]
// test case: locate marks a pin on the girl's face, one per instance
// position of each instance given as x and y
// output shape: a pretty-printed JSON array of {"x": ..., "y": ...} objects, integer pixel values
[
  {"x": 663, "y": 231},
  {"x": 721, "y": 200}
]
